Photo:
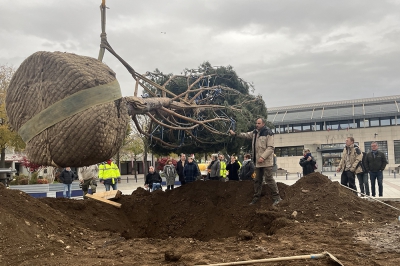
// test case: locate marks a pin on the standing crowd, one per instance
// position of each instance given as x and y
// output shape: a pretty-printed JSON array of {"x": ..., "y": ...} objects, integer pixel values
[
  {"x": 257, "y": 165},
  {"x": 354, "y": 163}
]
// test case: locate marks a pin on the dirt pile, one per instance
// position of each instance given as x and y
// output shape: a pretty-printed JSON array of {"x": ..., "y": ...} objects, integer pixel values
[
  {"x": 316, "y": 198},
  {"x": 315, "y": 213}
]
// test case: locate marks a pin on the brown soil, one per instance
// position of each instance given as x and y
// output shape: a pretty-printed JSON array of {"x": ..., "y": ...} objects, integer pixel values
[{"x": 200, "y": 223}]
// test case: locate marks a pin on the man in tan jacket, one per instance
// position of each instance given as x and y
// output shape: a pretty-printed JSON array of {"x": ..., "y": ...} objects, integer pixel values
[
  {"x": 350, "y": 164},
  {"x": 263, "y": 158}
]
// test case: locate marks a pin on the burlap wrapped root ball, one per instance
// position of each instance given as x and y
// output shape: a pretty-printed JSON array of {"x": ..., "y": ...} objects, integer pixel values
[{"x": 67, "y": 108}]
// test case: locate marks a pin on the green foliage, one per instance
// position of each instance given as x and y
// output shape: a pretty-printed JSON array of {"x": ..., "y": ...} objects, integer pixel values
[
  {"x": 20, "y": 180},
  {"x": 133, "y": 145},
  {"x": 34, "y": 178},
  {"x": 8, "y": 137}
]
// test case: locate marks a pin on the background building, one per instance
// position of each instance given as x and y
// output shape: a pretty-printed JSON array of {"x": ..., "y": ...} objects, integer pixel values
[{"x": 324, "y": 127}]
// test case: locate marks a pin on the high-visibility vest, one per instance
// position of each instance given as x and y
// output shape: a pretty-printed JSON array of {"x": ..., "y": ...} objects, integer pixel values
[
  {"x": 109, "y": 172},
  {"x": 222, "y": 171}
]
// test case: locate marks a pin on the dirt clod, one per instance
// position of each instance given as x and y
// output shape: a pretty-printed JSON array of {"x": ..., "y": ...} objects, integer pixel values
[{"x": 200, "y": 223}]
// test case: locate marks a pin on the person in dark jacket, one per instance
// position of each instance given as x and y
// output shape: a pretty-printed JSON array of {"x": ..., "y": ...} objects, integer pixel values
[
  {"x": 363, "y": 177},
  {"x": 67, "y": 177},
  {"x": 153, "y": 180},
  {"x": 179, "y": 168},
  {"x": 233, "y": 169},
  {"x": 191, "y": 171},
  {"x": 375, "y": 163},
  {"x": 307, "y": 162},
  {"x": 247, "y": 169}
]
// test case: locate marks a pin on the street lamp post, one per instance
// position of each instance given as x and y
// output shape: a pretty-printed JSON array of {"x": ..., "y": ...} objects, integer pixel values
[{"x": 134, "y": 159}]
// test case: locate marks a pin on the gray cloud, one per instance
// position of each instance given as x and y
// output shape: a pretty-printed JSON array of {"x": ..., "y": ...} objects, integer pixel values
[{"x": 295, "y": 52}]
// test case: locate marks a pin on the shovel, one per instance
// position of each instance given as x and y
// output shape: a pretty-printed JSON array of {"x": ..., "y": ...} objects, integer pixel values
[{"x": 322, "y": 255}]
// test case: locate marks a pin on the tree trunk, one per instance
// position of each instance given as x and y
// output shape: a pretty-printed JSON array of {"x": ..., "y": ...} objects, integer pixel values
[
  {"x": 135, "y": 168},
  {"x": 3, "y": 176},
  {"x": 118, "y": 161}
]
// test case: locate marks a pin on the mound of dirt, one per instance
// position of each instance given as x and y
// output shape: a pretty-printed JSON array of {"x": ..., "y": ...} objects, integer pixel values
[
  {"x": 315, "y": 214},
  {"x": 316, "y": 198}
]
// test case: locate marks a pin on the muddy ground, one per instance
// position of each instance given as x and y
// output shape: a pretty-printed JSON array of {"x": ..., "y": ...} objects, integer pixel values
[{"x": 198, "y": 224}]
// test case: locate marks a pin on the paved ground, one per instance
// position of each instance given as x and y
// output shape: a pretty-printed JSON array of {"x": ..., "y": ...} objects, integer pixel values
[{"x": 391, "y": 184}]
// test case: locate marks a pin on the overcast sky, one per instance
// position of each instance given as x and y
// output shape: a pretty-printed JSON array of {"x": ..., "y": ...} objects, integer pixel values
[{"x": 295, "y": 52}]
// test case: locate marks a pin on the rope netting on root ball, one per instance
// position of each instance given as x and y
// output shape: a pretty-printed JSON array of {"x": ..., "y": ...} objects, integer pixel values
[
  {"x": 70, "y": 112},
  {"x": 67, "y": 108}
]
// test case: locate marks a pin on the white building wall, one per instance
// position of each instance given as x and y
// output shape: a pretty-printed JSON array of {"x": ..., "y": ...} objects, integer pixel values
[{"x": 314, "y": 139}]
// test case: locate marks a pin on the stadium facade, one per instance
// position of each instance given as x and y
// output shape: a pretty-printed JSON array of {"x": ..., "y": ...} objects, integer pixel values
[{"x": 324, "y": 127}]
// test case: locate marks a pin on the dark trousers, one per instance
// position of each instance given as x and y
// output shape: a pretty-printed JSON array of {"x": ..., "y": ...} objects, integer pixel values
[
  {"x": 348, "y": 179},
  {"x": 265, "y": 173},
  {"x": 182, "y": 180},
  {"x": 363, "y": 183},
  {"x": 86, "y": 184},
  {"x": 376, "y": 176},
  {"x": 170, "y": 187}
]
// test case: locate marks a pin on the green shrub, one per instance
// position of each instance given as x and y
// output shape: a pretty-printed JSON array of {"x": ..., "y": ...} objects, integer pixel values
[
  {"x": 24, "y": 181},
  {"x": 20, "y": 180},
  {"x": 34, "y": 178}
]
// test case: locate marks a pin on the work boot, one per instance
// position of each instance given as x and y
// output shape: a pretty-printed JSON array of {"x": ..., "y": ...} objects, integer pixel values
[
  {"x": 254, "y": 201},
  {"x": 276, "y": 202}
]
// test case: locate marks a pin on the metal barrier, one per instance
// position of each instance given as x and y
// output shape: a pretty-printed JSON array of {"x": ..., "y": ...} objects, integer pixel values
[{"x": 48, "y": 190}]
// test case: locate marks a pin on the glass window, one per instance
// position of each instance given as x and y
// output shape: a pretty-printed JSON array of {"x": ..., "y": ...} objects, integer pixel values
[
  {"x": 382, "y": 146},
  {"x": 282, "y": 129},
  {"x": 364, "y": 123},
  {"x": 385, "y": 121},
  {"x": 358, "y": 123},
  {"x": 292, "y": 151},
  {"x": 284, "y": 152},
  {"x": 335, "y": 145},
  {"x": 278, "y": 152},
  {"x": 344, "y": 124},
  {"x": 331, "y": 159},
  {"x": 306, "y": 127},
  {"x": 332, "y": 125},
  {"x": 295, "y": 128},
  {"x": 374, "y": 122},
  {"x": 393, "y": 119},
  {"x": 397, "y": 151},
  {"x": 289, "y": 151}
]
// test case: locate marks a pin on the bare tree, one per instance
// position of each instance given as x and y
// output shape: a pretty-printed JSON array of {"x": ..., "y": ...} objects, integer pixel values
[{"x": 199, "y": 115}]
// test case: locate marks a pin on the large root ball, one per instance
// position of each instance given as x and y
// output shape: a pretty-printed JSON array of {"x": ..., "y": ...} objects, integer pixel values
[{"x": 67, "y": 108}]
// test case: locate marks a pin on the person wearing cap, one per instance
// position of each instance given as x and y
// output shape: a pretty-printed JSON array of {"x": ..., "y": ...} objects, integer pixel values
[{"x": 109, "y": 175}]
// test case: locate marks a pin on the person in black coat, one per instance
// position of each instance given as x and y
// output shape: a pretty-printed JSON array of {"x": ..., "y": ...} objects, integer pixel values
[
  {"x": 247, "y": 169},
  {"x": 67, "y": 177},
  {"x": 233, "y": 169},
  {"x": 307, "y": 162},
  {"x": 191, "y": 171},
  {"x": 153, "y": 179},
  {"x": 179, "y": 168}
]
